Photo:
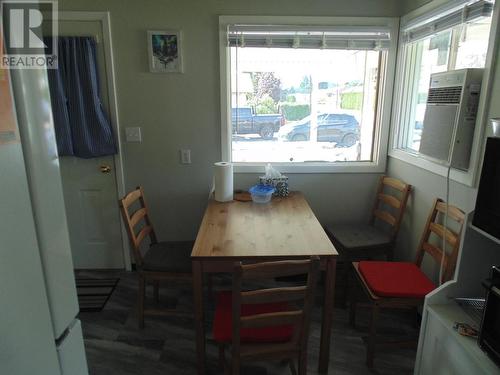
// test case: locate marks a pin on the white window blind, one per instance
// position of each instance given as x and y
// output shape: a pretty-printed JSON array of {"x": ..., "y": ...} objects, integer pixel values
[
  {"x": 453, "y": 16},
  {"x": 315, "y": 37}
]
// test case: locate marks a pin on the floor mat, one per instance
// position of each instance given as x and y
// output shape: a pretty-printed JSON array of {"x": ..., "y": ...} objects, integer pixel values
[{"x": 94, "y": 293}]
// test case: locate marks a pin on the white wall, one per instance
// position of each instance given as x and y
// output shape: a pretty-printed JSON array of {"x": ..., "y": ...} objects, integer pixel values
[
  {"x": 183, "y": 110},
  {"x": 408, "y": 6}
]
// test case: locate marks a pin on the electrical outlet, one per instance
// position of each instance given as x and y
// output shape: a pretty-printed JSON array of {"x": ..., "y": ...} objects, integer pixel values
[
  {"x": 133, "y": 134},
  {"x": 185, "y": 156}
]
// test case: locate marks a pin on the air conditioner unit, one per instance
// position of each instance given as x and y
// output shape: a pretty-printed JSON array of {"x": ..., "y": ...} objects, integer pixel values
[{"x": 450, "y": 116}]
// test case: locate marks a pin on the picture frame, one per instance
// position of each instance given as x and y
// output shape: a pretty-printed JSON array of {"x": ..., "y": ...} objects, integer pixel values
[{"x": 165, "y": 51}]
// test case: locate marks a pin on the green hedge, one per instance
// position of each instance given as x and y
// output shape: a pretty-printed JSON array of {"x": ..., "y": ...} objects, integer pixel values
[
  {"x": 294, "y": 112},
  {"x": 351, "y": 100}
]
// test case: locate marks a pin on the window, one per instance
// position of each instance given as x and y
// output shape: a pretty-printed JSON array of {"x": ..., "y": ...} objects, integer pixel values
[
  {"x": 304, "y": 94},
  {"x": 443, "y": 43}
]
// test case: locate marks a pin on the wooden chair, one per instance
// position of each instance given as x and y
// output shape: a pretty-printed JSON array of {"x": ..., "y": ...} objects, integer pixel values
[
  {"x": 403, "y": 284},
  {"x": 368, "y": 240},
  {"x": 377, "y": 237},
  {"x": 160, "y": 261},
  {"x": 266, "y": 323}
]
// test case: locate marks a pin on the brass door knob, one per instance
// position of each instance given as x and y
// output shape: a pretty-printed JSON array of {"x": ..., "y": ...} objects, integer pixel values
[{"x": 105, "y": 168}]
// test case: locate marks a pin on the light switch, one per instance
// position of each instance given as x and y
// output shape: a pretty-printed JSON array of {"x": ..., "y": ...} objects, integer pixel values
[
  {"x": 133, "y": 134},
  {"x": 185, "y": 156}
]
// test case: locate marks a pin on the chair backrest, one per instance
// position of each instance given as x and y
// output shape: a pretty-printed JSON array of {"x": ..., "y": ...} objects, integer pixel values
[
  {"x": 135, "y": 215},
  {"x": 390, "y": 203},
  {"x": 451, "y": 234},
  {"x": 300, "y": 299}
]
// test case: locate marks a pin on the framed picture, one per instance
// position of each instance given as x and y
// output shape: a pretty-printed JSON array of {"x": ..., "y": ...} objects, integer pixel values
[{"x": 165, "y": 54}]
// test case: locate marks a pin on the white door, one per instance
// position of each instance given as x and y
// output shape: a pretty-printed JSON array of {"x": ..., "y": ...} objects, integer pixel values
[{"x": 90, "y": 187}]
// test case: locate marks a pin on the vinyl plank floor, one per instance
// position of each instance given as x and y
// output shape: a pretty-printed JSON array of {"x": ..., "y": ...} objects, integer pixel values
[{"x": 115, "y": 345}]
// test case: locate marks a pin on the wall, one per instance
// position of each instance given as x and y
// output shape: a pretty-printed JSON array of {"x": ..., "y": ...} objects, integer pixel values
[
  {"x": 183, "y": 110},
  {"x": 408, "y": 6},
  {"x": 428, "y": 185}
]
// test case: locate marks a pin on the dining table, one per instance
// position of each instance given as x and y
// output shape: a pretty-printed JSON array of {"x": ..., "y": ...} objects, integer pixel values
[{"x": 245, "y": 231}]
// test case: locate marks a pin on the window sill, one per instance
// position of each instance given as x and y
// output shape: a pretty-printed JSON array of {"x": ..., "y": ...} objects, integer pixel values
[
  {"x": 312, "y": 167},
  {"x": 462, "y": 177}
]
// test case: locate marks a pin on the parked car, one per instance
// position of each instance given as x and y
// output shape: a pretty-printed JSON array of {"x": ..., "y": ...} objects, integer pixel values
[
  {"x": 245, "y": 121},
  {"x": 332, "y": 127}
]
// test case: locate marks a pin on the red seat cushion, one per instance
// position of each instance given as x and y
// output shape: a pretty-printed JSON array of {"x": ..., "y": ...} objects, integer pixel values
[
  {"x": 222, "y": 327},
  {"x": 395, "y": 279}
]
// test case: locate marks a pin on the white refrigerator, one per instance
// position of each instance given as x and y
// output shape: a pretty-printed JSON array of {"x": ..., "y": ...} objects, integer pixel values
[{"x": 39, "y": 332}]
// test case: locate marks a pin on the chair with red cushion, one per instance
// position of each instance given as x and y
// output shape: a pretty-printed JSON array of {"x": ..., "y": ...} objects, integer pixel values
[
  {"x": 403, "y": 284},
  {"x": 266, "y": 323}
]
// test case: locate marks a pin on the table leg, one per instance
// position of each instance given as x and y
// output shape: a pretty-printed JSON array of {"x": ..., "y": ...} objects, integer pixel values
[
  {"x": 199, "y": 320},
  {"x": 326, "y": 325}
]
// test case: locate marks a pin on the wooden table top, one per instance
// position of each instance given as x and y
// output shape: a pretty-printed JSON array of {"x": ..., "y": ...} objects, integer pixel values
[{"x": 285, "y": 227}]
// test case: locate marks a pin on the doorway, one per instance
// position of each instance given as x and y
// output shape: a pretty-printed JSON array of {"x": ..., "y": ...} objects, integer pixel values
[{"x": 92, "y": 186}]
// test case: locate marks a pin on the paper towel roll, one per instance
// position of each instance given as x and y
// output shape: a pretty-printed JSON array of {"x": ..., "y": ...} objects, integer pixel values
[{"x": 223, "y": 180}]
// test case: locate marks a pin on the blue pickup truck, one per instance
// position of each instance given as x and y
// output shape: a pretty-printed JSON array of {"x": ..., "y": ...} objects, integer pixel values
[{"x": 245, "y": 121}]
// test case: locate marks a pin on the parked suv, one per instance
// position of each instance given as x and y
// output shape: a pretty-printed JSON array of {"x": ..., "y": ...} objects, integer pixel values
[
  {"x": 245, "y": 121},
  {"x": 332, "y": 127}
]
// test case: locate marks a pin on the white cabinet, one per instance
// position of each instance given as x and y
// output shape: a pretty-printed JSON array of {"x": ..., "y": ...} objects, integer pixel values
[
  {"x": 441, "y": 350},
  {"x": 445, "y": 352}
]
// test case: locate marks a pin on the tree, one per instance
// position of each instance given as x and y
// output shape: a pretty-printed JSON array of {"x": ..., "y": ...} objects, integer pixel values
[
  {"x": 266, "y": 83},
  {"x": 305, "y": 84},
  {"x": 266, "y": 105}
]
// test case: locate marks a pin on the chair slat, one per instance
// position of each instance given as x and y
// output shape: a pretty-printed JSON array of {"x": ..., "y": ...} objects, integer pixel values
[
  {"x": 142, "y": 234},
  {"x": 453, "y": 212},
  {"x": 130, "y": 198},
  {"x": 390, "y": 200},
  {"x": 260, "y": 351},
  {"x": 385, "y": 216},
  {"x": 451, "y": 236},
  {"x": 137, "y": 216},
  {"x": 395, "y": 183},
  {"x": 435, "y": 252},
  {"x": 271, "y": 270},
  {"x": 274, "y": 295},
  {"x": 272, "y": 319}
]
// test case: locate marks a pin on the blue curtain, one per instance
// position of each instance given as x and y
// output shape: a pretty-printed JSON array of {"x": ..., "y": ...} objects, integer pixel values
[{"x": 81, "y": 125}]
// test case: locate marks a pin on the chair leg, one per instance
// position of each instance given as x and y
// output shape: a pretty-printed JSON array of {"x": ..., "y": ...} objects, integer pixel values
[
  {"x": 156, "y": 287},
  {"x": 416, "y": 318},
  {"x": 293, "y": 370},
  {"x": 140, "y": 304},
  {"x": 222, "y": 356},
  {"x": 372, "y": 336},
  {"x": 303, "y": 363},
  {"x": 235, "y": 366},
  {"x": 210, "y": 286},
  {"x": 347, "y": 275},
  {"x": 352, "y": 312},
  {"x": 390, "y": 254}
]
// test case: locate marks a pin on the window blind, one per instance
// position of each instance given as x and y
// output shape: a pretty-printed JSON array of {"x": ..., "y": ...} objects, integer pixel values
[
  {"x": 452, "y": 17},
  {"x": 313, "y": 37}
]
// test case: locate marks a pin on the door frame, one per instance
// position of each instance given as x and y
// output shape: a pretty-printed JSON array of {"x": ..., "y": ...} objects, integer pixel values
[{"x": 105, "y": 20}]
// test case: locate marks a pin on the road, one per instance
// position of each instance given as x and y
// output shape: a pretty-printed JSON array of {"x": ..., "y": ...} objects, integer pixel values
[{"x": 252, "y": 148}]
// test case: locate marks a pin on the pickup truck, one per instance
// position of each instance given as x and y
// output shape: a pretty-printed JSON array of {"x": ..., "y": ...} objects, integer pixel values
[{"x": 245, "y": 121}]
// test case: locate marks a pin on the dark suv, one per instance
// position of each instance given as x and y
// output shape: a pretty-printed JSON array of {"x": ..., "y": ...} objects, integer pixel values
[{"x": 332, "y": 127}]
